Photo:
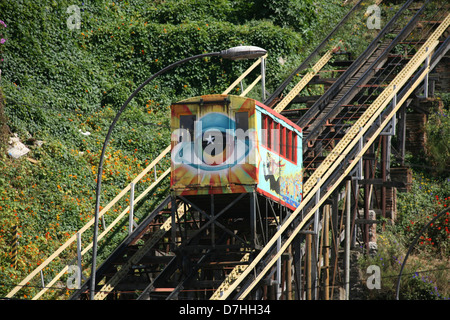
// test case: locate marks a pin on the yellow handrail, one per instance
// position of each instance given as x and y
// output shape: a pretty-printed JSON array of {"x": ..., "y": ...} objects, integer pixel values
[
  {"x": 330, "y": 190},
  {"x": 110, "y": 226},
  {"x": 335, "y": 157},
  {"x": 246, "y": 72},
  {"x": 233, "y": 275},
  {"x": 112, "y": 203},
  {"x": 137, "y": 256}
]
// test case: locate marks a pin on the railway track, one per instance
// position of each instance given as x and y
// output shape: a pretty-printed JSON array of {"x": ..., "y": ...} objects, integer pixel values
[{"x": 199, "y": 248}]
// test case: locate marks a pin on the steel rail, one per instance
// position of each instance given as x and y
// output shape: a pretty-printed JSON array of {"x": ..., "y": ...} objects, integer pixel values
[
  {"x": 403, "y": 33},
  {"x": 354, "y": 135},
  {"x": 437, "y": 55},
  {"x": 329, "y": 192},
  {"x": 89, "y": 224},
  {"x": 137, "y": 256},
  {"x": 332, "y": 135},
  {"x": 304, "y": 81},
  {"x": 73, "y": 239},
  {"x": 309, "y": 59}
]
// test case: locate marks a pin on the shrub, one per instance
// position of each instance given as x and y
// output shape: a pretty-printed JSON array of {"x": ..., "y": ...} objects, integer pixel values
[
  {"x": 59, "y": 81},
  {"x": 438, "y": 140},
  {"x": 416, "y": 208}
]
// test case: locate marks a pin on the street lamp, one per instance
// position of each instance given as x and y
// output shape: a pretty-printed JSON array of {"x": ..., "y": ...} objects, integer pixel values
[{"x": 235, "y": 53}]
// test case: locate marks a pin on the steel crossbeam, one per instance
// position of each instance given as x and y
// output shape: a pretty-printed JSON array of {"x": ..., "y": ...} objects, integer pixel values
[
  {"x": 64, "y": 246},
  {"x": 137, "y": 256},
  {"x": 304, "y": 81},
  {"x": 233, "y": 275},
  {"x": 338, "y": 154},
  {"x": 380, "y": 103},
  {"x": 329, "y": 192}
]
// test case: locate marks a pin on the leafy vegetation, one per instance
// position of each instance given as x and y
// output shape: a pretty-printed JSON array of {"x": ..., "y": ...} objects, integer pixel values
[
  {"x": 61, "y": 87},
  {"x": 425, "y": 275},
  {"x": 438, "y": 135}
]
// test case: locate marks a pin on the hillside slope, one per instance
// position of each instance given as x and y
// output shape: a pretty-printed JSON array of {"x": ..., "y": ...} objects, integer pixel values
[{"x": 62, "y": 85}]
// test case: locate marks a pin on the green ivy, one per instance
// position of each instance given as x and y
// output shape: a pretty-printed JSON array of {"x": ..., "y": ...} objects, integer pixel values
[
  {"x": 59, "y": 83},
  {"x": 438, "y": 140}
]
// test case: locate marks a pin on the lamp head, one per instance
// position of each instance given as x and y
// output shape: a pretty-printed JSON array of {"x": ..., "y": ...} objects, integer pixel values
[{"x": 243, "y": 52}]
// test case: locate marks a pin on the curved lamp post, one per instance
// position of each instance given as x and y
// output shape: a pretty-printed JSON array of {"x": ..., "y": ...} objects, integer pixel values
[{"x": 235, "y": 53}]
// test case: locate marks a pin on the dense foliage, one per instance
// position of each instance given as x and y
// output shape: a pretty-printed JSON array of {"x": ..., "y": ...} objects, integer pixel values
[
  {"x": 438, "y": 135},
  {"x": 60, "y": 81}
]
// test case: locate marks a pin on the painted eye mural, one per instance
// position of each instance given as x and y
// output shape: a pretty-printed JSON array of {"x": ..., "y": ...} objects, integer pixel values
[
  {"x": 213, "y": 148},
  {"x": 231, "y": 144},
  {"x": 215, "y": 143}
]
